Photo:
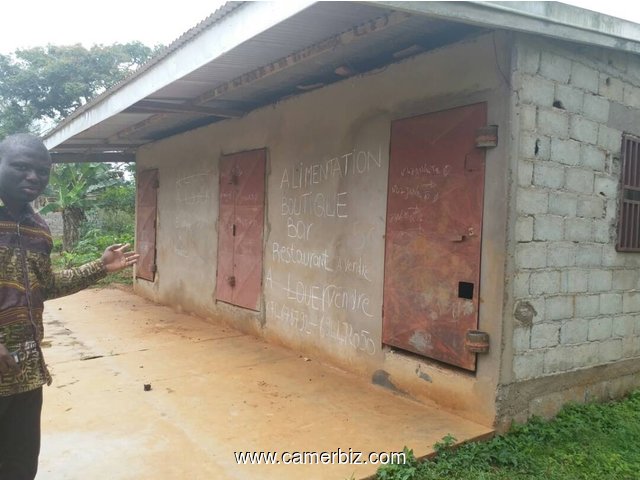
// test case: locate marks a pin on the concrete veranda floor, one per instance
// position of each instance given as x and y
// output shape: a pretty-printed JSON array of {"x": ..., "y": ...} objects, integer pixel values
[{"x": 213, "y": 391}]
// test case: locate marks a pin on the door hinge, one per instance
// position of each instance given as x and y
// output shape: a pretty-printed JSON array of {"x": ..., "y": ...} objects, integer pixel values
[
  {"x": 477, "y": 341},
  {"x": 487, "y": 137}
]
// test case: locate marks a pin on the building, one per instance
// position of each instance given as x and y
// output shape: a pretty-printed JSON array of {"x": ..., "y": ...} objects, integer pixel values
[{"x": 440, "y": 196}]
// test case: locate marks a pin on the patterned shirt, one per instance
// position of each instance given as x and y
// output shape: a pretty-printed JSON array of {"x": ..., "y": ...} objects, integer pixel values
[{"x": 26, "y": 281}]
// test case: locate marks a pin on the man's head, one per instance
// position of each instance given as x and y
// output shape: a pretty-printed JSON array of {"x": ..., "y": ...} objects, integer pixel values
[{"x": 25, "y": 165}]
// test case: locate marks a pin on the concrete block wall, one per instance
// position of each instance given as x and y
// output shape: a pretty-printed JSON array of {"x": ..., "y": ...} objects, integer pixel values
[
  {"x": 54, "y": 220},
  {"x": 576, "y": 301},
  {"x": 573, "y": 302}
]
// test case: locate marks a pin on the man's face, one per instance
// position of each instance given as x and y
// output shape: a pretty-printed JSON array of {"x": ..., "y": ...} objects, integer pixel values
[{"x": 24, "y": 174}]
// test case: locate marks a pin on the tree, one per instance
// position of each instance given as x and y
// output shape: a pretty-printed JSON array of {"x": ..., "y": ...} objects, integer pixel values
[
  {"x": 71, "y": 190},
  {"x": 40, "y": 86}
]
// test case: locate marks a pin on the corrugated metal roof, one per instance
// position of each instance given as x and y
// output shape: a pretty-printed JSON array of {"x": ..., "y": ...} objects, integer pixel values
[
  {"x": 248, "y": 54},
  {"x": 187, "y": 36}
]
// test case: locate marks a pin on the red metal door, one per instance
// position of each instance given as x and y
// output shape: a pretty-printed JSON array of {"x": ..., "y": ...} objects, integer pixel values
[
  {"x": 433, "y": 237},
  {"x": 241, "y": 224},
  {"x": 226, "y": 217},
  {"x": 147, "y": 203}
]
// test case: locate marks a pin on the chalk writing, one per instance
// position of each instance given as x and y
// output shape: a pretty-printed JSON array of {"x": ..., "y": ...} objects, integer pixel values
[
  {"x": 343, "y": 332},
  {"x": 425, "y": 170},
  {"x": 193, "y": 189},
  {"x": 324, "y": 326},
  {"x": 307, "y": 306},
  {"x": 349, "y": 164},
  {"x": 362, "y": 234},
  {"x": 357, "y": 267},
  {"x": 440, "y": 306},
  {"x": 236, "y": 171},
  {"x": 409, "y": 214},
  {"x": 298, "y": 229},
  {"x": 346, "y": 299},
  {"x": 187, "y": 229},
  {"x": 245, "y": 222},
  {"x": 249, "y": 197},
  {"x": 462, "y": 308},
  {"x": 318, "y": 205},
  {"x": 268, "y": 279},
  {"x": 324, "y": 297},
  {"x": 291, "y": 317},
  {"x": 425, "y": 191},
  {"x": 292, "y": 254}
]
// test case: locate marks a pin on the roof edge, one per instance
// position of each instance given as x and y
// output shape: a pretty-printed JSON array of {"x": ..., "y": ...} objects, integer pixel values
[
  {"x": 551, "y": 19},
  {"x": 230, "y": 25},
  {"x": 212, "y": 19}
]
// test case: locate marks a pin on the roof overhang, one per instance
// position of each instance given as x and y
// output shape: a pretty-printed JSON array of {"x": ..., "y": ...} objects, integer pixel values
[{"x": 250, "y": 54}]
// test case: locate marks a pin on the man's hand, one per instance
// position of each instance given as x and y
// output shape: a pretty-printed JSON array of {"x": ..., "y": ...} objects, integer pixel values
[
  {"x": 116, "y": 257},
  {"x": 7, "y": 363}
]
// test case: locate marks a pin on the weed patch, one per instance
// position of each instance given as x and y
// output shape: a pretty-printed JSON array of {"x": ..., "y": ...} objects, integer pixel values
[{"x": 584, "y": 442}]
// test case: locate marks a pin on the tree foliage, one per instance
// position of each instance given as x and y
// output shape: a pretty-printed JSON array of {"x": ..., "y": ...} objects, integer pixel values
[
  {"x": 40, "y": 86},
  {"x": 72, "y": 189}
]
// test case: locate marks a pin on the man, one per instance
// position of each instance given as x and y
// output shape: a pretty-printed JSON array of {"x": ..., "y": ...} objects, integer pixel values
[{"x": 26, "y": 281}]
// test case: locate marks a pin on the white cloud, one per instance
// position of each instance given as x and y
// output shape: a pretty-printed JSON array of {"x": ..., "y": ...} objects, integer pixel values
[
  {"x": 626, "y": 9},
  {"x": 29, "y": 23}
]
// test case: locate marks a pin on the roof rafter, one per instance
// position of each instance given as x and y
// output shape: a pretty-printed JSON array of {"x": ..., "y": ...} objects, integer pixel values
[
  {"x": 309, "y": 53},
  {"x": 195, "y": 106},
  {"x": 146, "y": 106},
  {"x": 93, "y": 157}
]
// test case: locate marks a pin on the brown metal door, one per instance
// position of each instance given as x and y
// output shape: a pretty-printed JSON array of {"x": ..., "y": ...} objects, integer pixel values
[
  {"x": 147, "y": 203},
  {"x": 226, "y": 216},
  {"x": 433, "y": 237},
  {"x": 241, "y": 226}
]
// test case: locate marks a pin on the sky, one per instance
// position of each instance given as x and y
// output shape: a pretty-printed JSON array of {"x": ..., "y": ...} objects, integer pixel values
[
  {"x": 626, "y": 9},
  {"x": 31, "y": 23}
]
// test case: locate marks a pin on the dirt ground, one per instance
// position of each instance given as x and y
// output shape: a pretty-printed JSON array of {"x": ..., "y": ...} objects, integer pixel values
[{"x": 212, "y": 391}]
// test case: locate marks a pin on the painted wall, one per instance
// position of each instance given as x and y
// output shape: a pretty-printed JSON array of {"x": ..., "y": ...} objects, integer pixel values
[
  {"x": 325, "y": 218},
  {"x": 575, "y": 323}
]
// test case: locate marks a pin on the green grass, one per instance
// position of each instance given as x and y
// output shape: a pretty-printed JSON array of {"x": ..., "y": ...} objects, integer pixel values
[
  {"x": 593, "y": 441},
  {"x": 123, "y": 277},
  {"x": 94, "y": 239}
]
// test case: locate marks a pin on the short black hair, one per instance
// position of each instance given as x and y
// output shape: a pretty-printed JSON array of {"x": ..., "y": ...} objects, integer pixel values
[{"x": 26, "y": 140}]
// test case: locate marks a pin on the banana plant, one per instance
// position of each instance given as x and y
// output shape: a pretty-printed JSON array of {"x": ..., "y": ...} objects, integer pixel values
[{"x": 73, "y": 187}]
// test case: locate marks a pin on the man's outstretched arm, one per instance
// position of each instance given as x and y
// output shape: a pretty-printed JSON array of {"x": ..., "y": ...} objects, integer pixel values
[{"x": 71, "y": 280}]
